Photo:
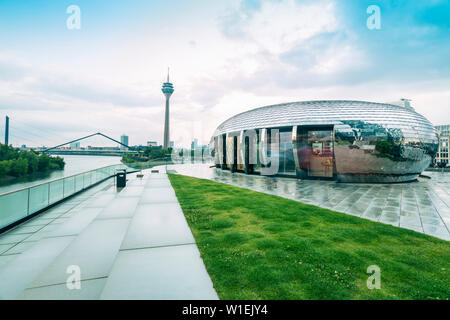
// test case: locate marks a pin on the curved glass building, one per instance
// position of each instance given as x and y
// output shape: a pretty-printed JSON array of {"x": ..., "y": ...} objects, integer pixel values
[{"x": 349, "y": 141}]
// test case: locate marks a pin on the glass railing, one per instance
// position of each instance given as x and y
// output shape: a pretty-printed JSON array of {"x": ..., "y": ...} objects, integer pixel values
[
  {"x": 150, "y": 163},
  {"x": 19, "y": 204}
]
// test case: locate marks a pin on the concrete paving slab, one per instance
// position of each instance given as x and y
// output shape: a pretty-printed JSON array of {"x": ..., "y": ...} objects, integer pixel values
[
  {"x": 131, "y": 191},
  {"x": 16, "y": 275},
  {"x": 94, "y": 251},
  {"x": 158, "y": 195},
  {"x": 120, "y": 207},
  {"x": 20, "y": 247},
  {"x": 101, "y": 201},
  {"x": 157, "y": 225},
  {"x": 6, "y": 259},
  {"x": 42, "y": 233},
  {"x": 157, "y": 183},
  {"x": 24, "y": 229},
  {"x": 168, "y": 273},
  {"x": 76, "y": 224},
  {"x": 13, "y": 238},
  {"x": 89, "y": 290},
  {"x": 5, "y": 247}
]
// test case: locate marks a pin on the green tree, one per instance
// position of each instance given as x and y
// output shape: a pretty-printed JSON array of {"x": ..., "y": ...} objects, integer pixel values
[
  {"x": 19, "y": 167},
  {"x": 58, "y": 163},
  {"x": 44, "y": 162},
  {"x": 5, "y": 167},
  {"x": 12, "y": 161},
  {"x": 33, "y": 160}
]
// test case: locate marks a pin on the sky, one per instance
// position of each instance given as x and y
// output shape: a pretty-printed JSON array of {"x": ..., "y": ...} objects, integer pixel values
[{"x": 225, "y": 57}]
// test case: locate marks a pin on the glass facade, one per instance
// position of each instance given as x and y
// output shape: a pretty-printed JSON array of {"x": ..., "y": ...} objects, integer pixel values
[
  {"x": 352, "y": 141},
  {"x": 286, "y": 153},
  {"x": 442, "y": 155},
  {"x": 443, "y": 130},
  {"x": 316, "y": 151}
]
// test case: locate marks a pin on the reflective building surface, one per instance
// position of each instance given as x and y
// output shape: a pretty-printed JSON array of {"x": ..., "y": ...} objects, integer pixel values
[{"x": 348, "y": 141}]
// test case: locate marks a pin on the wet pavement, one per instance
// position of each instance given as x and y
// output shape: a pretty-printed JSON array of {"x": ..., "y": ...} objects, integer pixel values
[
  {"x": 423, "y": 205},
  {"x": 130, "y": 243}
]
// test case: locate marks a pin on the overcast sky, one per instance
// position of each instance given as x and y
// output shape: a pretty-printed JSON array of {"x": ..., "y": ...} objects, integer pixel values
[{"x": 225, "y": 57}]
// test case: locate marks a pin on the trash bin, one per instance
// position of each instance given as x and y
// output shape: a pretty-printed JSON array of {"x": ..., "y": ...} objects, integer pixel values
[{"x": 121, "y": 178}]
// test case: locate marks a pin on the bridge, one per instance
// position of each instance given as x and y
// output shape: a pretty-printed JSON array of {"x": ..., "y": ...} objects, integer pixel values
[
  {"x": 36, "y": 135},
  {"x": 90, "y": 152}
]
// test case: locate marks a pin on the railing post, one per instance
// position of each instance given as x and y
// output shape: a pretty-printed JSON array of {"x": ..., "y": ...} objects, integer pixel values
[
  {"x": 48, "y": 195},
  {"x": 28, "y": 202}
]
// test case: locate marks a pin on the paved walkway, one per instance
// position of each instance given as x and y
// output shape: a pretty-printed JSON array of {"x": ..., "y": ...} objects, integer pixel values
[
  {"x": 132, "y": 244},
  {"x": 423, "y": 206}
]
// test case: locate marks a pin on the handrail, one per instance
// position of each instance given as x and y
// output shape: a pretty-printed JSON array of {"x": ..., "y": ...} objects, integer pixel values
[
  {"x": 62, "y": 178},
  {"x": 18, "y": 205}
]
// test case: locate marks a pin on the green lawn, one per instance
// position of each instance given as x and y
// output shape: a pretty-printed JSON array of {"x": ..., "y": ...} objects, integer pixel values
[{"x": 259, "y": 246}]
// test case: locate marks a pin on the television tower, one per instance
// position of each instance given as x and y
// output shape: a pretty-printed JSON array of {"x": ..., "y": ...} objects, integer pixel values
[
  {"x": 7, "y": 131},
  {"x": 167, "y": 89}
]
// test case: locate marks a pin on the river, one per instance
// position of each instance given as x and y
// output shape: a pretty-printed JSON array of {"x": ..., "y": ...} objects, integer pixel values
[{"x": 74, "y": 165}]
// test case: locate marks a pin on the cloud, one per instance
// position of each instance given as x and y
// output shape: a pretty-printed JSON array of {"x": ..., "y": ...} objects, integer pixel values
[
  {"x": 234, "y": 56},
  {"x": 23, "y": 81},
  {"x": 279, "y": 26}
]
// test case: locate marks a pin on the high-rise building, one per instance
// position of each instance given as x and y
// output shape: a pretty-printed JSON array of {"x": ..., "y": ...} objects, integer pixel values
[
  {"x": 442, "y": 155},
  {"x": 167, "y": 89},
  {"x": 123, "y": 140},
  {"x": 75, "y": 145},
  {"x": 443, "y": 130}
]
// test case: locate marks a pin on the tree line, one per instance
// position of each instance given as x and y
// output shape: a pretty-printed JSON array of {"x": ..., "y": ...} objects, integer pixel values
[
  {"x": 147, "y": 154},
  {"x": 16, "y": 163}
]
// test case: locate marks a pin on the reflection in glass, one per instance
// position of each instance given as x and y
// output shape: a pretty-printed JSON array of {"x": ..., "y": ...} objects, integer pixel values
[{"x": 315, "y": 152}]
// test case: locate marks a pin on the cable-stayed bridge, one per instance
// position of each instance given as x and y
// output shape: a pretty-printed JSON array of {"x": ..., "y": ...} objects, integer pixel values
[{"x": 28, "y": 134}]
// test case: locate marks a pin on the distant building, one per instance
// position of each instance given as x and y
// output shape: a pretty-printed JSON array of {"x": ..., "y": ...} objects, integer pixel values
[
  {"x": 443, "y": 130},
  {"x": 103, "y": 148},
  {"x": 442, "y": 155},
  {"x": 152, "y": 143},
  {"x": 124, "y": 140},
  {"x": 75, "y": 146},
  {"x": 171, "y": 144},
  {"x": 194, "y": 144}
]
